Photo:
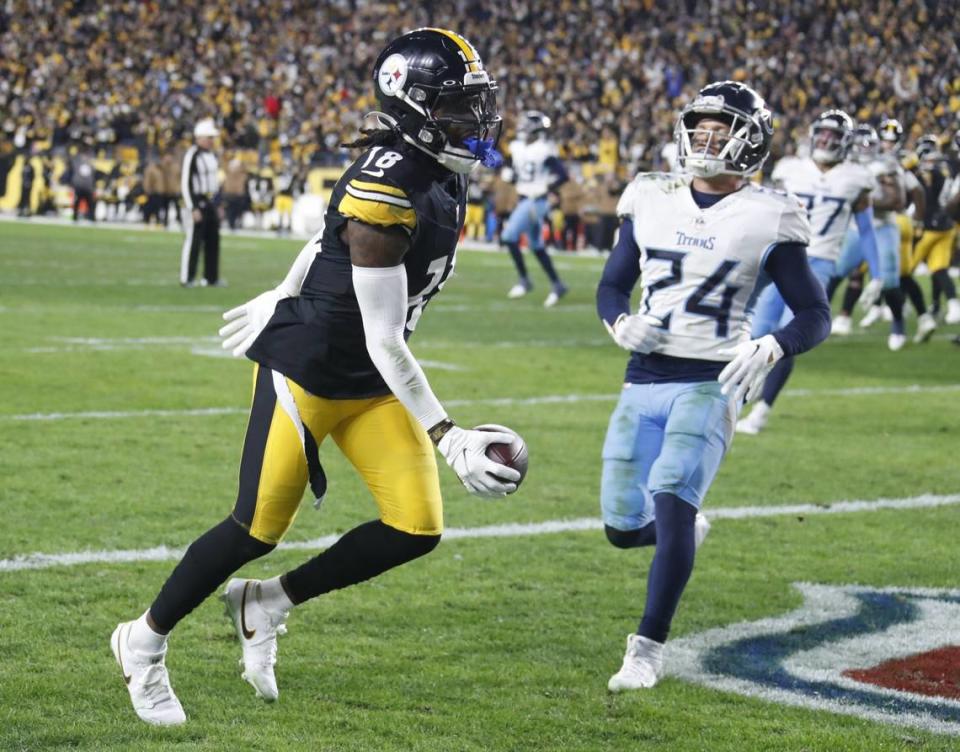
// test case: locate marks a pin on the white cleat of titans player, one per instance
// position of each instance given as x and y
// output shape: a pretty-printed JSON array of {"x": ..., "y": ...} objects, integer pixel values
[
  {"x": 257, "y": 629},
  {"x": 642, "y": 665},
  {"x": 872, "y": 316},
  {"x": 926, "y": 326},
  {"x": 147, "y": 680},
  {"x": 701, "y": 526},
  {"x": 896, "y": 342},
  {"x": 841, "y": 325},
  {"x": 755, "y": 422},
  {"x": 520, "y": 289}
]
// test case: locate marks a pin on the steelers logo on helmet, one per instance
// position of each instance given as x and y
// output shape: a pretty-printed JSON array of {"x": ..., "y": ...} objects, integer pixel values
[
  {"x": 435, "y": 94},
  {"x": 736, "y": 142},
  {"x": 392, "y": 75}
]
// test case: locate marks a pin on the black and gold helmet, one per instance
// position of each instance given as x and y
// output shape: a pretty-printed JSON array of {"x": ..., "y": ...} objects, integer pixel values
[{"x": 432, "y": 86}]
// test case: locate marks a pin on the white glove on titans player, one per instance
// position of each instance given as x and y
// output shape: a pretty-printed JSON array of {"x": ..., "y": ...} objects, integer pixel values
[
  {"x": 752, "y": 361},
  {"x": 638, "y": 333},
  {"x": 248, "y": 320},
  {"x": 466, "y": 452}
]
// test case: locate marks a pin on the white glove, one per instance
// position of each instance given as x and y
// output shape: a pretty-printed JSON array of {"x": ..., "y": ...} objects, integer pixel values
[
  {"x": 248, "y": 320},
  {"x": 871, "y": 293},
  {"x": 752, "y": 361},
  {"x": 466, "y": 452},
  {"x": 641, "y": 333}
]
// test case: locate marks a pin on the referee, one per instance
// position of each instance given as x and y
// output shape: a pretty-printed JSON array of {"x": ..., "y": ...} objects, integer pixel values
[{"x": 199, "y": 186}]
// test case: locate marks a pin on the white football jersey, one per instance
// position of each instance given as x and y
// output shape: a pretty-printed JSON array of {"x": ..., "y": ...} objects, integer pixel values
[
  {"x": 828, "y": 196},
  {"x": 700, "y": 268},
  {"x": 885, "y": 165},
  {"x": 530, "y": 166}
]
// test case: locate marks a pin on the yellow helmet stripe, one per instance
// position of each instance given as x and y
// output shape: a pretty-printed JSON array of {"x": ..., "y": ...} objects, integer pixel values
[{"x": 470, "y": 54}]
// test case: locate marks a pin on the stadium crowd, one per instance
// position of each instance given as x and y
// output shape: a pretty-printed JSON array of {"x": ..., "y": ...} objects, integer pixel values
[{"x": 295, "y": 73}]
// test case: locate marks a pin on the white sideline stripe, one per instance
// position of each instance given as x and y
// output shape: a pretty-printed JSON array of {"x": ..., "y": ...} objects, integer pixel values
[
  {"x": 508, "y": 530},
  {"x": 491, "y": 401}
]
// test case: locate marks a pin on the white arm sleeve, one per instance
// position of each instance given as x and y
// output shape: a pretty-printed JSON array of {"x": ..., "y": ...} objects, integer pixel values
[{"x": 382, "y": 296}]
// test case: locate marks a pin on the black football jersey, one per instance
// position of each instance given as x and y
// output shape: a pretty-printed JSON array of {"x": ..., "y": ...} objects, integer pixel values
[
  {"x": 935, "y": 180},
  {"x": 317, "y": 338}
]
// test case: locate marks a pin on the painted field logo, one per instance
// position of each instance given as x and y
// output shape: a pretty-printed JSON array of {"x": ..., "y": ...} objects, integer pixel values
[{"x": 887, "y": 654}]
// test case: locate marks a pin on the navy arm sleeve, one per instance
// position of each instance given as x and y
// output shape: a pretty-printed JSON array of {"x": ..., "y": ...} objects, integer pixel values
[
  {"x": 620, "y": 275},
  {"x": 559, "y": 172},
  {"x": 790, "y": 271}
]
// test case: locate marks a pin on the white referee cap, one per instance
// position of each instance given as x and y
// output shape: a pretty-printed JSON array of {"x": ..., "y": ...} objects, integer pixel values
[{"x": 205, "y": 127}]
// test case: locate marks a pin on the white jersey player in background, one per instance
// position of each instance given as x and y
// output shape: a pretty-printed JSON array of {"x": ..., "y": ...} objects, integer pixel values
[
  {"x": 539, "y": 174},
  {"x": 704, "y": 243},
  {"x": 889, "y": 197},
  {"x": 833, "y": 190}
]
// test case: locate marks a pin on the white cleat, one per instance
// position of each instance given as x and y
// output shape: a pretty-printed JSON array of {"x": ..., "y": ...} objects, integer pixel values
[
  {"x": 257, "y": 629},
  {"x": 896, "y": 342},
  {"x": 841, "y": 325},
  {"x": 701, "y": 526},
  {"x": 642, "y": 665},
  {"x": 872, "y": 317},
  {"x": 558, "y": 291},
  {"x": 147, "y": 681},
  {"x": 886, "y": 313},
  {"x": 953, "y": 312},
  {"x": 756, "y": 421},
  {"x": 926, "y": 326},
  {"x": 520, "y": 289}
]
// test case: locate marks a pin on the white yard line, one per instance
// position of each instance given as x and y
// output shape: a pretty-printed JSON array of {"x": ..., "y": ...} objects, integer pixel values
[
  {"x": 490, "y": 401},
  {"x": 508, "y": 530}
]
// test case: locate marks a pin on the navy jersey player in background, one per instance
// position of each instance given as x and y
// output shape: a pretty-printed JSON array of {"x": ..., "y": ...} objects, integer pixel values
[
  {"x": 539, "y": 175},
  {"x": 330, "y": 345},
  {"x": 705, "y": 243}
]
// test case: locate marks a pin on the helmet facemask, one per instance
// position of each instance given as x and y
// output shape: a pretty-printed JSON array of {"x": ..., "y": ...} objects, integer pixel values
[
  {"x": 829, "y": 143},
  {"x": 467, "y": 126},
  {"x": 708, "y": 152}
]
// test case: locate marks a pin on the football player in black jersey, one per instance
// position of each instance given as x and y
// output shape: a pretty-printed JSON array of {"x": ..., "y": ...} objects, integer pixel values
[{"x": 330, "y": 344}]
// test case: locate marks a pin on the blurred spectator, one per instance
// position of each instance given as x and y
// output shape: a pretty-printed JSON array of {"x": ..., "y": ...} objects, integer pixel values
[
  {"x": 83, "y": 179},
  {"x": 573, "y": 197},
  {"x": 26, "y": 187},
  {"x": 154, "y": 188},
  {"x": 236, "y": 200},
  {"x": 170, "y": 164}
]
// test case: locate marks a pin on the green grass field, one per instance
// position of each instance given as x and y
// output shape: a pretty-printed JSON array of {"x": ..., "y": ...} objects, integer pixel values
[{"x": 496, "y": 643}]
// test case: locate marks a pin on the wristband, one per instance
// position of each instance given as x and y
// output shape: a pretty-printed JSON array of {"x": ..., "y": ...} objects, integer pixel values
[{"x": 440, "y": 430}]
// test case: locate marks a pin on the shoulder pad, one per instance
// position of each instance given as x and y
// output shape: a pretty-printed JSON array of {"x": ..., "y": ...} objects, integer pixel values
[{"x": 374, "y": 196}]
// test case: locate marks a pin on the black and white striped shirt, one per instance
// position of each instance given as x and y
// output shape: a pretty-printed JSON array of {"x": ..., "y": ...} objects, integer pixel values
[{"x": 199, "y": 181}]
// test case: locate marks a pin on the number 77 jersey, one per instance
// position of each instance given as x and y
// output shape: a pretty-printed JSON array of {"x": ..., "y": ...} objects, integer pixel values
[
  {"x": 702, "y": 269},
  {"x": 829, "y": 198}
]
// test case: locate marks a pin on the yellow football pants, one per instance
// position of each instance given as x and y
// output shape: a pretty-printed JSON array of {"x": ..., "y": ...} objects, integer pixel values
[{"x": 287, "y": 425}]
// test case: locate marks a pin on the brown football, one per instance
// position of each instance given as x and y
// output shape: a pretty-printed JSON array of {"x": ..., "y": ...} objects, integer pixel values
[{"x": 513, "y": 454}]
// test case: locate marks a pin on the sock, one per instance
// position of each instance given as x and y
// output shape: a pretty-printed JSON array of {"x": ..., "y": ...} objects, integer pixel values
[
  {"x": 364, "y": 552},
  {"x": 273, "y": 596},
  {"x": 143, "y": 639},
  {"x": 935, "y": 294},
  {"x": 894, "y": 298},
  {"x": 832, "y": 286},
  {"x": 644, "y": 536},
  {"x": 514, "y": 250},
  {"x": 544, "y": 258},
  {"x": 943, "y": 284},
  {"x": 208, "y": 562},
  {"x": 851, "y": 295},
  {"x": 672, "y": 564},
  {"x": 909, "y": 286},
  {"x": 777, "y": 379}
]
